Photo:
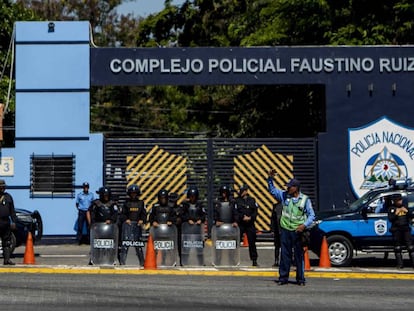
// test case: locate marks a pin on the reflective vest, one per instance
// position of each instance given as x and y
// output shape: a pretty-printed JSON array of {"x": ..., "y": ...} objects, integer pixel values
[{"x": 293, "y": 214}]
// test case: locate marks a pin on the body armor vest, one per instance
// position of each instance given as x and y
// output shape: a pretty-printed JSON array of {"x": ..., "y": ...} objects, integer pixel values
[
  {"x": 192, "y": 211},
  {"x": 163, "y": 214},
  {"x": 225, "y": 212},
  {"x": 104, "y": 211},
  {"x": 134, "y": 208}
]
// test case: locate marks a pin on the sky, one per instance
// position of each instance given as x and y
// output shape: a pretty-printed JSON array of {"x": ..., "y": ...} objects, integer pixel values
[{"x": 144, "y": 7}]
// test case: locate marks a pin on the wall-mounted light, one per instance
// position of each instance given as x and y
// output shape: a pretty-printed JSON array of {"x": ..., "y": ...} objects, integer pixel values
[
  {"x": 394, "y": 89},
  {"x": 348, "y": 89},
  {"x": 370, "y": 89},
  {"x": 51, "y": 27}
]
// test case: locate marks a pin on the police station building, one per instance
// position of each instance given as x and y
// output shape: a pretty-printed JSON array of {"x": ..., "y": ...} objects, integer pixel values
[{"x": 368, "y": 139}]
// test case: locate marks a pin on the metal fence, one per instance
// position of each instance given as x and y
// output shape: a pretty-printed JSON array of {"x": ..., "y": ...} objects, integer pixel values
[{"x": 175, "y": 164}]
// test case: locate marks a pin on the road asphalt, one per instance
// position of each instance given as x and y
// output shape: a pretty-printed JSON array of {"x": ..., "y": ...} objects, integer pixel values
[{"x": 66, "y": 256}]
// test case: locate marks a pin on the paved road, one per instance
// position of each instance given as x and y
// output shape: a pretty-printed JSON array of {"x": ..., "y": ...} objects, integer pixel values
[
  {"x": 106, "y": 292},
  {"x": 61, "y": 280},
  {"x": 54, "y": 253}
]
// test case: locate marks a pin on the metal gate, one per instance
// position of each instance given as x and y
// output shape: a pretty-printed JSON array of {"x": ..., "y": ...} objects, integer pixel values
[{"x": 175, "y": 164}]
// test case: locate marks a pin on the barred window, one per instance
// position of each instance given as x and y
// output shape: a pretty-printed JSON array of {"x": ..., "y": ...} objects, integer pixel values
[{"x": 52, "y": 176}]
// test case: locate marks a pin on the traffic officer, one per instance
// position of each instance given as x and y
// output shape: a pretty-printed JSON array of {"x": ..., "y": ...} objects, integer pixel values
[
  {"x": 133, "y": 217},
  {"x": 400, "y": 218},
  {"x": 8, "y": 220},
  {"x": 246, "y": 207},
  {"x": 297, "y": 215}
]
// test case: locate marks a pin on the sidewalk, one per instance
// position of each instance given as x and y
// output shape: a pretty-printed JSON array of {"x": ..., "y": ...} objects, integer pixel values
[{"x": 69, "y": 257}]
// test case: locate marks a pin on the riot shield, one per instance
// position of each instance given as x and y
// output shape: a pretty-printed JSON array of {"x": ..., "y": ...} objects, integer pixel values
[
  {"x": 226, "y": 243},
  {"x": 104, "y": 243},
  {"x": 165, "y": 244},
  {"x": 131, "y": 237},
  {"x": 192, "y": 245}
]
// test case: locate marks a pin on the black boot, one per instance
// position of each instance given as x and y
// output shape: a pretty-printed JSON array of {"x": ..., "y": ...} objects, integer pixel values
[
  {"x": 122, "y": 258},
  {"x": 412, "y": 259},
  {"x": 141, "y": 258},
  {"x": 276, "y": 264},
  {"x": 400, "y": 262},
  {"x": 6, "y": 257}
]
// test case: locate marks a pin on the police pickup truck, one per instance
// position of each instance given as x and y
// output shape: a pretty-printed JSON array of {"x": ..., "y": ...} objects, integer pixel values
[{"x": 364, "y": 226}]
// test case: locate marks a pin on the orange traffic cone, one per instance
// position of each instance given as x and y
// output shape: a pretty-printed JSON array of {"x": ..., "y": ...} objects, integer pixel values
[
  {"x": 324, "y": 258},
  {"x": 306, "y": 259},
  {"x": 150, "y": 260},
  {"x": 29, "y": 257},
  {"x": 245, "y": 240}
]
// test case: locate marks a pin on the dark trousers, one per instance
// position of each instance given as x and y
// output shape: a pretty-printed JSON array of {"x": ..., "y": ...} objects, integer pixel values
[
  {"x": 251, "y": 238},
  {"x": 6, "y": 240},
  {"x": 82, "y": 221},
  {"x": 402, "y": 238},
  {"x": 291, "y": 240},
  {"x": 276, "y": 243}
]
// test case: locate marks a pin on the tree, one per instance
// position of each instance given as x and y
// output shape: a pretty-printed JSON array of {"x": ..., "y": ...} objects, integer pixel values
[
  {"x": 227, "y": 111},
  {"x": 10, "y": 12}
]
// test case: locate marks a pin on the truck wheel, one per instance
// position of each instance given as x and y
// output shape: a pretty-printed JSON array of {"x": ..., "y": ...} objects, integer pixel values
[{"x": 341, "y": 250}]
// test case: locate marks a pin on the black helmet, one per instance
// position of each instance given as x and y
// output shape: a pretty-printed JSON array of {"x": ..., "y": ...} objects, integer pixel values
[
  {"x": 224, "y": 189},
  {"x": 133, "y": 188},
  {"x": 192, "y": 191},
  {"x": 173, "y": 197},
  {"x": 104, "y": 191},
  {"x": 163, "y": 194},
  {"x": 243, "y": 188}
]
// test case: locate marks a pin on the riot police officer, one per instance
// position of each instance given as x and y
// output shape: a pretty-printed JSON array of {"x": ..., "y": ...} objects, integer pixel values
[
  {"x": 8, "y": 220},
  {"x": 192, "y": 210},
  {"x": 102, "y": 218},
  {"x": 162, "y": 212},
  {"x": 193, "y": 213},
  {"x": 246, "y": 207},
  {"x": 225, "y": 215},
  {"x": 224, "y": 208},
  {"x": 103, "y": 209},
  {"x": 133, "y": 217},
  {"x": 177, "y": 218},
  {"x": 400, "y": 218}
]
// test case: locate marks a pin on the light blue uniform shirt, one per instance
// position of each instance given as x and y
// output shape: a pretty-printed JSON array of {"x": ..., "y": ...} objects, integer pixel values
[
  {"x": 282, "y": 196},
  {"x": 84, "y": 200}
]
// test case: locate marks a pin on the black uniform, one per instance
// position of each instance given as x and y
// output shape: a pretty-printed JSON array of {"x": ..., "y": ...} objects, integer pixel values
[
  {"x": 194, "y": 212},
  {"x": 133, "y": 210},
  {"x": 177, "y": 219},
  {"x": 248, "y": 206},
  {"x": 103, "y": 211},
  {"x": 161, "y": 214},
  {"x": 225, "y": 211},
  {"x": 7, "y": 213},
  {"x": 401, "y": 231}
]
